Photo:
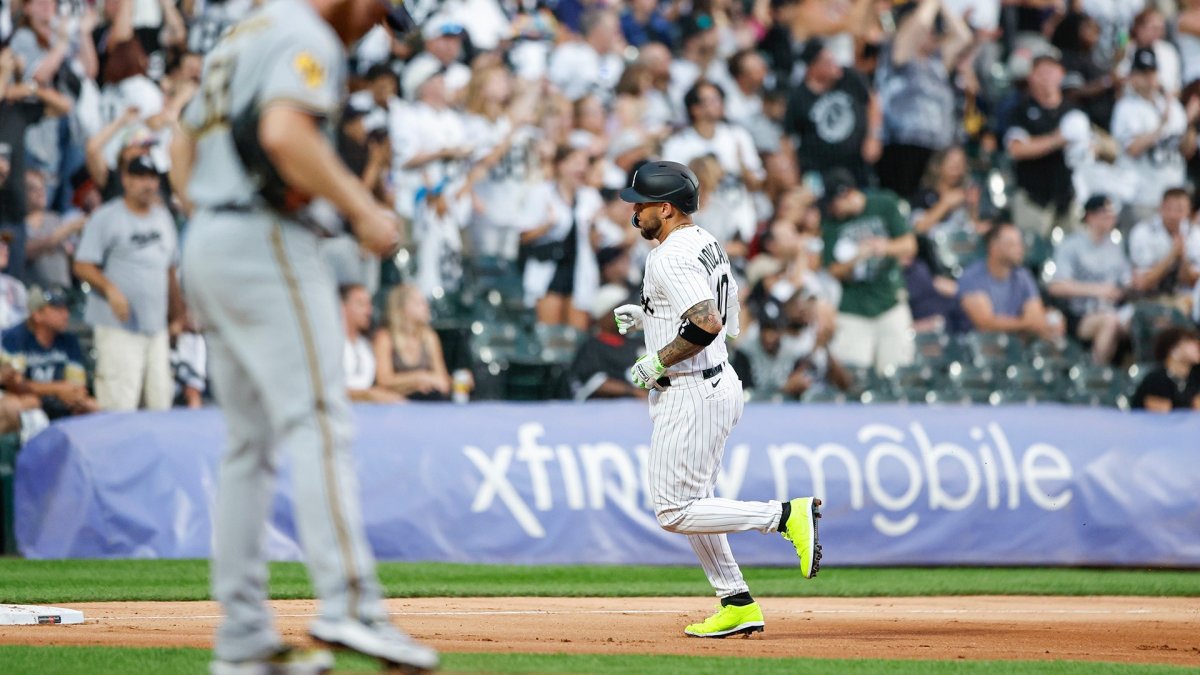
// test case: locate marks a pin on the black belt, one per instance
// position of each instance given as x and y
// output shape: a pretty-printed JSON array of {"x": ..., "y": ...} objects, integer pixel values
[
  {"x": 231, "y": 207},
  {"x": 707, "y": 374}
]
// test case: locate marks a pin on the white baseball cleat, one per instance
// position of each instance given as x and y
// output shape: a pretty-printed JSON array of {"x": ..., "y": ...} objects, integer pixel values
[
  {"x": 285, "y": 661},
  {"x": 379, "y": 639}
]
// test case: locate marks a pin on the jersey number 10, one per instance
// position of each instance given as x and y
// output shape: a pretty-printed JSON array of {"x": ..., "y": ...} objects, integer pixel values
[{"x": 723, "y": 297}]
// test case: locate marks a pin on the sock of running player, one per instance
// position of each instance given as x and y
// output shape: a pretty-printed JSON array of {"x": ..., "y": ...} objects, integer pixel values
[
  {"x": 737, "y": 599},
  {"x": 787, "y": 513}
]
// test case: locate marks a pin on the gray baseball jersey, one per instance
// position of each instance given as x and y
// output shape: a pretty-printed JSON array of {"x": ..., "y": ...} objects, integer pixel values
[
  {"x": 283, "y": 54},
  {"x": 268, "y": 306},
  {"x": 694, "y": 416}
]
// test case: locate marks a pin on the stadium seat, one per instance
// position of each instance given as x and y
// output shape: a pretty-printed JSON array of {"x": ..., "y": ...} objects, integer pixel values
[
  {"x": 993, "y": 349},
  {"x": 1010, "y": 397},
  {"x": 978, "y": 395},
  {"x": 1092, "y": 378},
  {"x": 1016, "y": 381},
  {"x": 495, "y": 342},
  {"x": 897, "y": 381},
  {"x": 878, "y": 396},
  {"x": 10, "y": 444},
  {"x": 969, "y": 376},
  {"x": 862, "y": 379},
  {"x": 559, "y": 337},
  {"x": 947, "y": 396},
  {"x": 821, "y": 395},
  {"x": 956, "y": 249},
  {"x": 1138, "y": 370},
  {"x": 938, "y": 349},
  {"x": 1149, "y": 319},
  {"x": 1098, "y": 385}
]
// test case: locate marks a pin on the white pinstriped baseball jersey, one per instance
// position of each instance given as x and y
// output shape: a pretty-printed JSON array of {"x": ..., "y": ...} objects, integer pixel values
[
  {"x": 688, "y": 268},
  {"x": 692, "y": 418}
]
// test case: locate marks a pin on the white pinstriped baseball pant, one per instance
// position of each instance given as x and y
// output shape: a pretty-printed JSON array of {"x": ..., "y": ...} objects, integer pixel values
[{"x": 692, "y": 418}]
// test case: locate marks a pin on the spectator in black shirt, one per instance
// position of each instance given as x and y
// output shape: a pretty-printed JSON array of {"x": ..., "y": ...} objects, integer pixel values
[
  {"x": 601, "y": 366},
  {"x": 1175, "y": 384},
  {"x": 1035, "y": 142},
  {"x": 836, "y": 120},
  {"x": 1088, "y": 80},
  {"x": 781, "y": 47}
]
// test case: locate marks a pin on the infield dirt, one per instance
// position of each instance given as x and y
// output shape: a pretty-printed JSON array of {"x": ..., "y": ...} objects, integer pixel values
[{"x": 1113, "y": 629}]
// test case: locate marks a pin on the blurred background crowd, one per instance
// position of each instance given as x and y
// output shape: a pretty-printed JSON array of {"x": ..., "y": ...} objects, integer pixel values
[{"x": 983, "y": 201}]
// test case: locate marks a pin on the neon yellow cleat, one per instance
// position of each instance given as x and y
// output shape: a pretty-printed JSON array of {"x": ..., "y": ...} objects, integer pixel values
[
  {"x": 801, "y": 530},
  {"x": 729, "y": 620}
]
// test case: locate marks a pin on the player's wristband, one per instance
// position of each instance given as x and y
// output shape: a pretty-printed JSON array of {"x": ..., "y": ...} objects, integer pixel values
[{"x": 696, "y": 335}]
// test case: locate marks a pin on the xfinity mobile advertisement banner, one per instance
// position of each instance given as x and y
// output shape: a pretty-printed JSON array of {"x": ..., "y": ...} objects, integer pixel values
[{"x": 566, "y": 483}]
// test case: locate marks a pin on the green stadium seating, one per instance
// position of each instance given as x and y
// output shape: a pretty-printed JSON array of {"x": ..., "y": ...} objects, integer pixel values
[
  {"x": 819, "y": 395},
  {"x": 10, "y": 445},
  {"x": 1149, "y": 319},
  {"x": 1010, "y": 397},
  {"x": 879, "y": 396}
]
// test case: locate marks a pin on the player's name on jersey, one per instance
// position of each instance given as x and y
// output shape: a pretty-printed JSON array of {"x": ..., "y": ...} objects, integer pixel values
[{"x": 711, "y": 256}]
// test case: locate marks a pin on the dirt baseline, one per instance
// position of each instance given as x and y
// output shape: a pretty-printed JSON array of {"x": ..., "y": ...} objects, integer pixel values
[{"x": 1116, "y": 629}]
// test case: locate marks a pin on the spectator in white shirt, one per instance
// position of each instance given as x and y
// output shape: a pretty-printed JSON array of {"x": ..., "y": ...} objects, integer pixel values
[
  {"x": 429, "y": 140},
  {"x": 358, "y": 356},
  {"x": 732, "y": 146},
  {"x": 500, "y": 128},
  {"x": 443, "y": 49},
  {"x": 1092, "y": 274},
  {"x": 748, "y": 69},
  {"x": 1165, "y": 252},
  {"x": 1154, "y": 133},
  {"x": 560, "y": 270},
  {"x": 592, "y": 65},
  {"x": 13, "y": 299},
  {"x": 1187, "y": 37},
  {"x": 1149, "y": 31}
]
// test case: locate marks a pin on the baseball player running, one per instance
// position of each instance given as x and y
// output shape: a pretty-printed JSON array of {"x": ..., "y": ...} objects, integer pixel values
[
  {"x": 254, "y": 151},
  {"x": 689, "y": 305}
]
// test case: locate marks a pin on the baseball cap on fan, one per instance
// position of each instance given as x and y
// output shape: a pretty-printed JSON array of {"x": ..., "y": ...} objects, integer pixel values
[
  {"x": 397, "y": 18},
  {"x": 141, "y": 166},
  {"x": 52, "y": 296},
  {"x": 1096, "y": 203},
  {"x": 1144, "y": 61},
  {"x": 838, "y": 181},
  {"x": 442, "y": 27}
]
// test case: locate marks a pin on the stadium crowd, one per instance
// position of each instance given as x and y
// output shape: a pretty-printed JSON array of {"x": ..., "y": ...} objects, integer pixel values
[{"x": 926, "y": 200}]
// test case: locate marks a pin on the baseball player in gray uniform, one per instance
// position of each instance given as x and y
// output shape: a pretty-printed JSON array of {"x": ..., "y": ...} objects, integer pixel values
[
  {"x": 252, "y": 152},
  {"x": 689, "y": 306}
]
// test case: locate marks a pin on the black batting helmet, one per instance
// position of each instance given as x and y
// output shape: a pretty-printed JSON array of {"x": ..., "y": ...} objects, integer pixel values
[{"x": 661, "y": 181}]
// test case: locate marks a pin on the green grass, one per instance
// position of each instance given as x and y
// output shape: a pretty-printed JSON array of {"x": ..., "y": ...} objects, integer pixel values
[
  {"x": 100, "y": 660},
  {"x": 36, "y": 581}
]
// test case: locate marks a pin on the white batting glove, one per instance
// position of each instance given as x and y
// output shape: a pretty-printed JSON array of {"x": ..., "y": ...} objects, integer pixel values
[
  {"x": 629, "y": 317},
  {"x": 647, "y": 370}
]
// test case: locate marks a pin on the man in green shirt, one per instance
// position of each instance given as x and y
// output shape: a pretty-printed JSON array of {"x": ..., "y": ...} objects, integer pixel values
[{"x": 867, "y": 243}]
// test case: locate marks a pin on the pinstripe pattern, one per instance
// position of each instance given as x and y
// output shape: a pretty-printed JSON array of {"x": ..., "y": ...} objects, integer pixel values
[
  {"x": 675, "y": 281},
  {"x": 693, "y": 418}
]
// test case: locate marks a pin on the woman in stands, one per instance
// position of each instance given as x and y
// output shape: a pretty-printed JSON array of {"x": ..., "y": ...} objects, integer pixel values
[
  {"x": 1175, "y": 384},
  {"x": 408, "y": 353},
  {"x": 557, "y": 254}
]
